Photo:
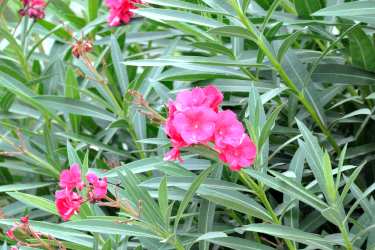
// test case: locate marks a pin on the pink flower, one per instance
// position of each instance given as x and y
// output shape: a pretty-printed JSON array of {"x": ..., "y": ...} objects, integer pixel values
[
  {"x": 99, "y": 187},
  {"x": 173, "y": 155},
  {"x": 213, "y": 97},
  {"x": 120, "y": 11},
  {"x": 71, "y": 178},
  {"x": 228, "y": 129},
  {"x": 14, "y": 248},
  {"x": 209, "y": 97},
  {"x": 10, "y": 233},
  {"x": 25, "y": 219},
  {"x": 196, "y": 125},
  {"x": 67, "y": 203},
  {"x": 176, "y": 139},
  {"x": 33, "y": 8},
  {"x": 240, "y": 156}
]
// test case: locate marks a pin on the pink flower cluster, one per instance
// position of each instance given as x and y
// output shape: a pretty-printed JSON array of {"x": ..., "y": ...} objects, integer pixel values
[
  {"x": 120, "y": 11},
  {"x": 194, "y": 118},
  {"x": 67, "y": 200},
  {"x": 33, "y": 8}
]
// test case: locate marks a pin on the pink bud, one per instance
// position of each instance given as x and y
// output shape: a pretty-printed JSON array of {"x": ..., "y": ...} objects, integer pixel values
[
  {"x": 25, "y": 219},
  {"x": 10, "y": 233}
]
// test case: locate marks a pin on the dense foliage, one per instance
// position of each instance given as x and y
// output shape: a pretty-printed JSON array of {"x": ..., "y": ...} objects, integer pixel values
[{"x": 102, "y": 105}]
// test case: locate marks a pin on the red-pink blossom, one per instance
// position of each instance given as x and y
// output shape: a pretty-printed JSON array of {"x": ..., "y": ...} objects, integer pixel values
[
  {"x": 214, "y": 97},
  {"x": 194, "y": 118},
  {"x": 71, "y": 178},
  {"x": 228, "y": 129},
  {"x": 240, "y": 156},
  {"x": 195, "y": 125},
  {"x": 33, "y": 8},
  {"x": 10, "y": 233},
  {"x": 208, "y": 96},
  {"x": 14, "y": 248},
  {"x": 176, "y": 139},
  {"x": 173, "y": 155},
  {"x": 25, "y": 219},
  {"x": 99, "y": 187},
  {"x": 67, "y": 203},
  {"x": 120, "y": 11}
]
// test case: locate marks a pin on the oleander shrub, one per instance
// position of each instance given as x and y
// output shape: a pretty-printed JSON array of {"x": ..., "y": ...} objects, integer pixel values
[{"x": 187, "y": 124}]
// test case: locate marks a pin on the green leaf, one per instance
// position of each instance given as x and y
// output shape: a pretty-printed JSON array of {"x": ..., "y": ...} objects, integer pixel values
[
  {"x": 190, "y": 193},
  {"x": 62, "y": 10},
  {"x": 236, "y": 201},
  {"x": 328, "y": 177},
  {"x": 58, "y": 231},
  {"x": 150, "y": 209},
  {"x": 306, "y": 7},
  {"x": 120, "y": 70},
  {"x": 342, "y": 74},
  {"x": 163, "y": 198},
  {"x": 238, "y": 243},
  {"x": 214, "y": 48},
  {"x": 23, "y": 186},
  {"x": 72, "y": 106},
  {"x": 93, "y": 9},
  {"x": 109, "y": 227},
  {"x": 72, "y": 91},
  {"x": 291, "y": 234},
  {"x": 179, "y": 16},
  {"x": 35, "y": 201},
  {"x": 184, "y": 5},
  {"x": 149, "y": 164},
  {"x": 235, "y": 31},
  {"x": 185, "y": 182},
  {"x": 314, "y": 156},
  {"x": 267, "y": 128},
  {"x": 362, "y": 49},
  {"x": 357, "y": 8},
  {"x": 290, "y": 187},
  {"x": 207, "y": 209}
]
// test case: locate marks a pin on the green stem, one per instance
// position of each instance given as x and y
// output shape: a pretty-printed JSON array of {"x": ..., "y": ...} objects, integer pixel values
[
  {"x": 261, "y": 194},
  {"x": 178, "y": 245},
  {"x": 345, "y": 236}
]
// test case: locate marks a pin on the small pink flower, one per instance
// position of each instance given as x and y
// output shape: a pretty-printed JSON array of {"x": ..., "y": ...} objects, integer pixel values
[
  {"x": 33, "y": 8},
  {"x": 14, "y": 248},
  {"x": 214, "y": 97},
  {"x": 25, "y": 219},
  {"x": 10, "y": 233},
  {"x": 209, "y": 97},
  {"x": 239, "y": 156},
  {"x": 67, "y": 203},
  {"x": 189, "y": 99},
  {"x": 173, "y": 155},
  {"x": 71, "y": 178},
  {"x": 196, "y": 125},
  {"x": 120, "y": 11},
  {"x": 171, "y": 130},
  {"x": 228, "y": 129},
  {"x": 100, "y": 187}
]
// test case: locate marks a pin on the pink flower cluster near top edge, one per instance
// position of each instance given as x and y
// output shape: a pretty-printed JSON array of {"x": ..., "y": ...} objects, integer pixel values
[
  {"x": 120, "y": 11},
  {"x": 194, "y": 118},
  {"x": 33, "y": 8},
  {"x": 68, "y": 200}
]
